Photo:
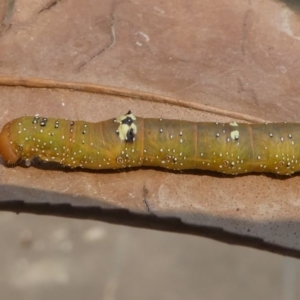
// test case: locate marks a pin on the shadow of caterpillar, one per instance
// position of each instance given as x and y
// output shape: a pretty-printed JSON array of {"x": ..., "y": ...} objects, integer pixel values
[{"x": 128, "y": 141}]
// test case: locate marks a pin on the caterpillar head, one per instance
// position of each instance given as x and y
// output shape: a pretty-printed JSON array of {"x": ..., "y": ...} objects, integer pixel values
[{"x": 7, "y": 151}]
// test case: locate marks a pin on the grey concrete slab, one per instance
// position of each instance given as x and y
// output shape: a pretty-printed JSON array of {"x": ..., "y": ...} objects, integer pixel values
[{"x": 56, "y": 258}]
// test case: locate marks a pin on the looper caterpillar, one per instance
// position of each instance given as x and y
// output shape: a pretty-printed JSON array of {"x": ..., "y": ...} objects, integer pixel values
[{"x": 127, "y": 141}]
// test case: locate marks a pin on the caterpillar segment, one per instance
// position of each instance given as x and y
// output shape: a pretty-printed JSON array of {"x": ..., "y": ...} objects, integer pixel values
[{"x": 128, "y": 141}]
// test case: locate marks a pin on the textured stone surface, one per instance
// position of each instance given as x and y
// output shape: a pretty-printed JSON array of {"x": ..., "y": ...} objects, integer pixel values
[
  {"x": 240, "y": 56},
  {"x": 53, "y": 258}
]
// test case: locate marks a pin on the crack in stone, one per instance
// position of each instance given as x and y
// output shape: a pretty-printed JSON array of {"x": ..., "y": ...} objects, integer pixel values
[
  {"x": 5, "y": 25},
  {"x": 245, "y": 32},
  {"x": 111, "y": 44},
  {"x": 49, "y": 5},
  {"x": 145, "y": 193}
]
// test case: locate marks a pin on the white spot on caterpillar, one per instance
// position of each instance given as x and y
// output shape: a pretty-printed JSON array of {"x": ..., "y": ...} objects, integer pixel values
[
  {"x": 235, "y": 134},
  {"x": 233, "y": 124},
  {"x": 27, "y": 162}
]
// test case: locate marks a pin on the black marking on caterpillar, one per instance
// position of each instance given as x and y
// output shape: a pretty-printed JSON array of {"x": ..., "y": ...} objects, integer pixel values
[
  {"x": 127, "y": 129},
  {"x": 130, "y": 135},
  {"x": 43, "y": 122},
  {"x": 231, "y": 148}
]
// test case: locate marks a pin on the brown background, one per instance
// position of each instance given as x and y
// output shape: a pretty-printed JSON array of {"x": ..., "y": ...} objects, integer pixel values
[{"x": 240, "y": 56}]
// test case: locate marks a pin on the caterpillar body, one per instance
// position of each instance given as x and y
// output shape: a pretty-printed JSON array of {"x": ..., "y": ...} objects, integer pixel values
[{"x": 127, "y": 141}]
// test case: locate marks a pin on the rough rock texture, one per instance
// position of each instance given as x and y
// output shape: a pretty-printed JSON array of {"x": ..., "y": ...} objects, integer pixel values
[{"x": 240, "y": 56}]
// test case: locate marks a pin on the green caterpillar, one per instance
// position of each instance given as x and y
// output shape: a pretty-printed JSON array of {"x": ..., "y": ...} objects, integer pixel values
[{"x": 127, "y": 141}]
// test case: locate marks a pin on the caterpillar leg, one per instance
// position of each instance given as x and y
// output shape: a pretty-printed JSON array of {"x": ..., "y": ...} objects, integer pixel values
[{"x": 28, "y": 162}]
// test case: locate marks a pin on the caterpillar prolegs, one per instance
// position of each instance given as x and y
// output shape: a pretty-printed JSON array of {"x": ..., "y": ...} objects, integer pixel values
[{"x": 127, "y": 141}]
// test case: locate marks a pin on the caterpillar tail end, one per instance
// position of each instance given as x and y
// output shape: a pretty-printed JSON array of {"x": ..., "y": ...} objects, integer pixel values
[{"x": 7, "y": 152}]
